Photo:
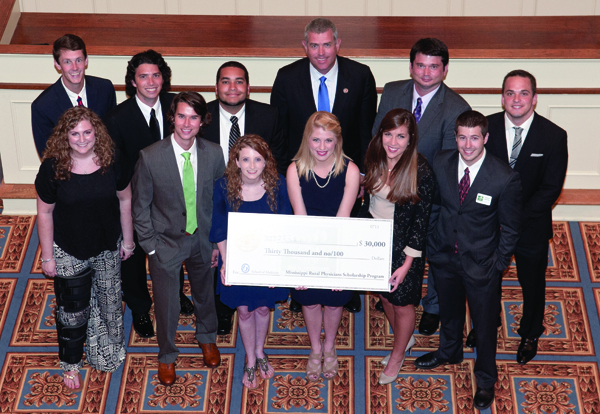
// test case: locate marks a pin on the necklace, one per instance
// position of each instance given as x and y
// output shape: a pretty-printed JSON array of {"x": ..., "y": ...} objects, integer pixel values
[{"x": 329, "y": 174}]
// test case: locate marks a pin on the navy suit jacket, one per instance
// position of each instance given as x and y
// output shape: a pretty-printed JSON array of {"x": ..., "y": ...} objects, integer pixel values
[
  {"x": 130, "y": 131},
  {"x": 355, "y": 104},
  {"x": 542, "y": 165},
  {"x": 54, "y": 101},
  {"x": 260, "y": 119},
  {"x": 436, "y": 126}
]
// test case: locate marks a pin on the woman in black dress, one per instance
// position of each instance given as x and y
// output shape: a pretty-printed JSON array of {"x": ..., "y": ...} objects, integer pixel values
[{"x": 399, "y": 185}]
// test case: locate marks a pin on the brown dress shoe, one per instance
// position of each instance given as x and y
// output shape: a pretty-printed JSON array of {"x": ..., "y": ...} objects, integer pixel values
[
  {"x": 211, "y": 354},
  {"x": 166, "y": 373}
]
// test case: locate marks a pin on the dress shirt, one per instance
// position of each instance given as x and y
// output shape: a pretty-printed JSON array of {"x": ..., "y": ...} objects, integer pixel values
[
  {"x": 146, "y": 112},
  {"x": 225, "y": 127},
  {"x": 473, "y": 169},
  {"x": 425, "y": 99},
  {"x": 73, "y": 96},
  {"x": 510, "y": 132},
  {"x": 331, "y": 82}
]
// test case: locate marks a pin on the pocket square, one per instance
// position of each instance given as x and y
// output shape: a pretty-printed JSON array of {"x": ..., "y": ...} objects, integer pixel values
[{"x": 536, "y": 155}]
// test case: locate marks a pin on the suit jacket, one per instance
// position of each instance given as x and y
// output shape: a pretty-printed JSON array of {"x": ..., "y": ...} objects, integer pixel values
[
  {"x": 262, "y": 120},
  {"x": 130, "y": 131},
  {"x": 486, "y": 234},
  {"x": 54, "y": 101},
  {"x": 542, "y": 165},
  {"x": 354, "y": 105},
  {"x": 159, "y": 212},
  {"x": 436, "y": 126}
]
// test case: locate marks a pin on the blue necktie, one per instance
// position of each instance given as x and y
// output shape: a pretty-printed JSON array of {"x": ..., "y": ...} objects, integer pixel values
[
  {"x": 323, "y": 96},
  {"x": 417, "y": 112}
]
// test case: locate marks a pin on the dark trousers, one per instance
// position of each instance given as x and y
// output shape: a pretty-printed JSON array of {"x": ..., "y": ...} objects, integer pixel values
[
  {"x": 532, "y": 261},
  {"x": 454, "y": 288}
]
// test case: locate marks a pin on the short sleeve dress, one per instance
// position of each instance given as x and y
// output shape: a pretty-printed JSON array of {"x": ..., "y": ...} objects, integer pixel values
[
  {"x": 251, "y": 296},
  {"x": 322, "y": 197}
]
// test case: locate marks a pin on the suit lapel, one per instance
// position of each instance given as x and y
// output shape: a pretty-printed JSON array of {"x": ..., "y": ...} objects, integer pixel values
[
  {"x": 164, "y": 108},
  {"x": 250, "y": 118},
  {"x": 171, "y": 169},
  {"x": 451, "y": 177},
  {"x": 203, "y": 162},
  {"x": 432, "y": 110},
  {"x": 62, "y": 99},
  {"x": 343, "y": 84},
  {"x": 405, "y": 96},
  {"x": 531, "y": 142},
  {"x": 305, "y": 86},
  {"x": 497, "y": 139}
]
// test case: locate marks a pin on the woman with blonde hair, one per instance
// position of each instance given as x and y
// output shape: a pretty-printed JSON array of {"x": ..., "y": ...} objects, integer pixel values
[
  {"x": 250, "y": 185},
  {"x": 322, "y": 181},
  {"x": 85, "y": 230}
]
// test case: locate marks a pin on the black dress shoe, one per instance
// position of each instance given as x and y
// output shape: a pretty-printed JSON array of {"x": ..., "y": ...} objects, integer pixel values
[
  {"x": 143, "y": 325},
  {"x": 484, "y": 397},
  {"x": 295, "y": 306},
  {"x": 354, "y": 305},
  {"x": 224, "y": 321},
  {"x": 430, "y": 361},
  {"x": 471, "y": 341},
  {"x": 187, "y": 307},
  {"x": 429, "y": 323},
  {"x": 379, "y": 306},
  {"x": 527, "y": 350}
]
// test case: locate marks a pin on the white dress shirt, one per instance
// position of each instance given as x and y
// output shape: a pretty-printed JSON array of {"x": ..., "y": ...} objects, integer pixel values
[
  {"x": 425, "y": 99},
  {"x": 73, "y": 96},
  {"x": 331, "y": 82},
  {"x": 510, "y": 132},
  {"x": 146, "y": 112},
  {"x": 225, "y": 127}
]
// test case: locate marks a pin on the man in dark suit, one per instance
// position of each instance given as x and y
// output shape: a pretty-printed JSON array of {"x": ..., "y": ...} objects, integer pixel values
[
  {"x": 133, "y": 125},
  {"x": 73, "y": 88},
  {"x": 235, "y": 115},
  {"x": 471, "y": 244},
  {"x": 172, "y": 212},
  {"x": 436, "y": 108},
  {"x": 325, "y": 81},
  {"x": 538, "y": 152}
]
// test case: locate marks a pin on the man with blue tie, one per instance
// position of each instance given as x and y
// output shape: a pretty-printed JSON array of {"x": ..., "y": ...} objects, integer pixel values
[{"x": 436, "y": 108}]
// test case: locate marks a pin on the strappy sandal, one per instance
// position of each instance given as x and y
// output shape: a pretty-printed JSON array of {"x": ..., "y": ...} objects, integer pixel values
[
  {"x": 68, "y": 375},
  {"x": 251, "y": 376},
  {"x": 263, "y": 367},
  {"x": 330, "y": 364},
  {"x": 313, "y": 369}
]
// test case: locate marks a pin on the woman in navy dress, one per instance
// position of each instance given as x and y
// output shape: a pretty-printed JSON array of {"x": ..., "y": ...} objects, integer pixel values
[
  {"x": 399, "y": 185},
  {"x": 322, "y": 181},
  {"x": 250, "y": 185}
]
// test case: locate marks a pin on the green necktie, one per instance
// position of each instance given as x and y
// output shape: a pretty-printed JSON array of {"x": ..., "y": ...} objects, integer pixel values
[{"x": 189, "y": 193}]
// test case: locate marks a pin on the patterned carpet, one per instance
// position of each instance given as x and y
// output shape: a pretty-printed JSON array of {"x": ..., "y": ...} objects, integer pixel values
[{"x": 563, "y": 379}]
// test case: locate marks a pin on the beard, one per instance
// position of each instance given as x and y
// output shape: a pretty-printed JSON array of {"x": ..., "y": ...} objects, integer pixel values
[{"x": 238, "y": 103}]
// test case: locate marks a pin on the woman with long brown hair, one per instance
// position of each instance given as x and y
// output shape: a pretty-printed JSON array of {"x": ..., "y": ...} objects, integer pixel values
[{"x": 399, "y": 185}]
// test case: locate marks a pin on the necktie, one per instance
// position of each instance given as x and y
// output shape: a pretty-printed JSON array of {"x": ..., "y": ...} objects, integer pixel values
[
  {"x": 417, "y": 112},
  {"x": 516, "y": 149},
  {"x": 323, "y": 96},
  {"x": 189, "y": 193},
  {"x": 234, "y": 132},
  {"x": 79, "y": 101},
  {"x": 154, "y": 127},
  {"x": 464, "y": 185}
]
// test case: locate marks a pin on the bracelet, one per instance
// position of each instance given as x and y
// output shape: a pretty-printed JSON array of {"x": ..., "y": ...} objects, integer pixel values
[
  {"x": 47, "y": 260},
  {"x": 127, "y": 248}
]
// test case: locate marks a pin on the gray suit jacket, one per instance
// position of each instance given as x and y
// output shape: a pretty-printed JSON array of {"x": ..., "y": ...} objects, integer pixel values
[
  {"x": 487, "y": 233},
  {"x": 436, "y": 127},
  {"x": 159, "y": 213}
]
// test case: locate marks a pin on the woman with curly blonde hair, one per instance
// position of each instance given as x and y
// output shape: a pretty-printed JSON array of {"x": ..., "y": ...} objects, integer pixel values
[
  {"x": 85, "y": 230},
  {"x": 250, "y": 185}
]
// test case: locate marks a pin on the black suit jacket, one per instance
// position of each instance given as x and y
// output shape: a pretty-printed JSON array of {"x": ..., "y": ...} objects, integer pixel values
[
  {"x": 260, "y": 119},
  {"x": 486, "y": 234},
  {"x": 542, "y": 165},
  {"x": 54, "y": 101},
  {"x": 130, "y": 131},
  {"x": 355, "y": 104}
]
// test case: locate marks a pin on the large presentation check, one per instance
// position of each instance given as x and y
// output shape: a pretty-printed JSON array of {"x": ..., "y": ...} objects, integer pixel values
[{"x": 316, "y": 252}]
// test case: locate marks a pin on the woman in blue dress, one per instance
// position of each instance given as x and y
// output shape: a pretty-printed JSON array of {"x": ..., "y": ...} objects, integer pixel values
[
  {"x": 250, "y": 185},
  {"x": 322, "y": 181}
]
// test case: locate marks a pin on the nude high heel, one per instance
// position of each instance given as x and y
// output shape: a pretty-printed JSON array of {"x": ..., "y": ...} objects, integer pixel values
[{"x": 409, "y": 346}]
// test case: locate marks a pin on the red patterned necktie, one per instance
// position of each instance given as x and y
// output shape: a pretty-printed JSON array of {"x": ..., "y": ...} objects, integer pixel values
[{"x": 464, "y": 185}]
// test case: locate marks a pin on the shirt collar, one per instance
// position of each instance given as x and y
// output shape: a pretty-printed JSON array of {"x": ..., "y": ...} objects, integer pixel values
[
  {"x": 147, "y": 109},
  {"x": 315, "y": 75},
  {"x": 473, "y": 169},
  {"x": 228, "y": 115},
  {"x": 525, "y": 125},
  {"x": 72, "y": 95},
  {"x": 425, "y": 99}
]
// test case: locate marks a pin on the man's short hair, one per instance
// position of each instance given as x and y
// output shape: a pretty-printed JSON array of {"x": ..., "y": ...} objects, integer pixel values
[
  {"x": 522, "y": 74},
  {"x": 472, "y": 119},
  {"x": 150, "y": 57},
  {"x": 430, "y": 46},
  {"x": 320, "y": 25},
  {"x": 234, "y": 64},
  {"x": 198, "y": 104},
  {"x": 68, "y": 42}
]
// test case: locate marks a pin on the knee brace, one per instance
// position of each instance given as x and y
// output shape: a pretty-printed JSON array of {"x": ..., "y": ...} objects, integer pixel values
[{"x": 72, "y": 313}]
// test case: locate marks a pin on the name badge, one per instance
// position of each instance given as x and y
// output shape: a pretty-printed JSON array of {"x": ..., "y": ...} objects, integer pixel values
[{"x": 484, "y": 199}]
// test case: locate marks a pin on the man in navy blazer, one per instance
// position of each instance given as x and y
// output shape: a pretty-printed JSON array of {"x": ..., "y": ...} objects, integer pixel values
[
  {"x": 71, "y": 89},
  {"x": 540, "y": 157},
  {"x": 437, "y": 107},
  {"x": 472, "y": 240}
]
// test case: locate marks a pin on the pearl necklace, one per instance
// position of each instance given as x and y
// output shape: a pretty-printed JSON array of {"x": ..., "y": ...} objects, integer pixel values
[{"x": 328, "y": 177}]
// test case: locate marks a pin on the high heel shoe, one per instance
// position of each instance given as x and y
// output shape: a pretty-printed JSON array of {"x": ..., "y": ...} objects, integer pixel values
[
  {"x": 384, "y": 379},
  {"x": 409, "y": 346}
]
